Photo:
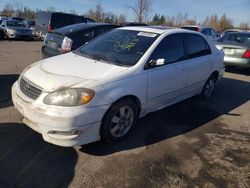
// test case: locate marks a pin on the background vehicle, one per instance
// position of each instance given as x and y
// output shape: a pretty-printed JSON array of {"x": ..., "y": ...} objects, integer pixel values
[
  {"x": 209, "y": 32},
  {"x": 236, "y": 46},
  {"x": 1, "y": 31},
  {"x": 69, "y": 38},
  {"x": 30, "y": 24},
  {"x": 100, "y": 90},
  {"x": 15, "y": 29},
  {"x": 17, "y": 18},
  {"x": 231, "y": 31},
  {"x": 48, "y": 21},
  {"x": 3, "y": 17},
  {"x": 133, "y": 24}
]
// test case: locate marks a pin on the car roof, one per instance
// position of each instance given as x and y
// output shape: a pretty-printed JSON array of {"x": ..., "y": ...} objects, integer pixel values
[
  {"x": 157, "y": 29},
  {"x": 78, "y": 27}
]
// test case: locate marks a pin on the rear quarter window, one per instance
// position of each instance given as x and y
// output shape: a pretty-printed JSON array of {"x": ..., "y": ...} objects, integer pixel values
[{"x": 196, "y": 46}]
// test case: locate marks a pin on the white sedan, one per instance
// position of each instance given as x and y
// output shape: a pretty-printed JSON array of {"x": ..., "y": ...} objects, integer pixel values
[{"x": 100, "y": 90}]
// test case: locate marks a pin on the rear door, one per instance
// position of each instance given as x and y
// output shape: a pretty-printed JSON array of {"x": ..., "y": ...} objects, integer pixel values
[
  {"x": 167, "y": 82},
  {"x": 198, "y": 60}
]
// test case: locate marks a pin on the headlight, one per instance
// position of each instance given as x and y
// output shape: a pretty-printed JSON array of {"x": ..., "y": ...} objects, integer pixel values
[
  {"x": 70, "y": 97},
  {"x": 11, "y": 31}
]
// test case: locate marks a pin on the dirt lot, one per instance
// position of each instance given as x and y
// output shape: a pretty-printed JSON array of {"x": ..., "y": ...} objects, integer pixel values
[{"x": 191, "y": 144}]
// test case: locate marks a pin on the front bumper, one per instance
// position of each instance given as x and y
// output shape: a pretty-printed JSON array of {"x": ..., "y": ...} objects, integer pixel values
[{"x": 52, "y": 122}]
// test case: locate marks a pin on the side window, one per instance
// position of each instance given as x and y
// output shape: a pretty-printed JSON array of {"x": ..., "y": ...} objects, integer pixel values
[
  {"x": 196, "y": 46},
  {"x": 171, "y": 49},
  {"x": 88, "y": 35}
]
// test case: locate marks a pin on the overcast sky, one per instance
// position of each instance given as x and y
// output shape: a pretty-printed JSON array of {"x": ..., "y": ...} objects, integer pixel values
[{"x": 237, "y": 10}]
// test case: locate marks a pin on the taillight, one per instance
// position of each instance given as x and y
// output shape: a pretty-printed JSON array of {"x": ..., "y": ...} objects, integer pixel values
[
  {"x": 246, "y": 54},
  {"x": 50, "y": 28},
  {"x": 197, "y": 29},
  {"x": 66, "y": 45}
]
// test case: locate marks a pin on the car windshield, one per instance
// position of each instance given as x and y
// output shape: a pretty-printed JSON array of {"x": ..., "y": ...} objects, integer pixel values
[
  {"x": 236, "y": 38},
  {"x": 121, "y": 47},
  {"x": 15, "y": 24}
]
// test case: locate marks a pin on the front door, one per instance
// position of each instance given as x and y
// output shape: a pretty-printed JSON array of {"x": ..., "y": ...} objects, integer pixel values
[{"x": 168, "y": 81}]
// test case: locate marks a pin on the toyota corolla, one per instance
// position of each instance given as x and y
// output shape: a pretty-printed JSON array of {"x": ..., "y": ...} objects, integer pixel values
[{"x": 100, "y": 90}]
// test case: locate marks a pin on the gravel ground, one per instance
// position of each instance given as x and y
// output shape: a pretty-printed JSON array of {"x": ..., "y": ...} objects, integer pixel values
[{"x": 190, "y": 144}]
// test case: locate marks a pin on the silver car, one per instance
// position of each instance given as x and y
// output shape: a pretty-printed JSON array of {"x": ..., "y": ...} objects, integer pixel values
[{"x": 15, "y": 29}]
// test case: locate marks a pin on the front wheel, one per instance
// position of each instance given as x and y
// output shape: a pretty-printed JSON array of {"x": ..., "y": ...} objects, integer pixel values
[
  {"x": 119, "y": 120},
  {"x": 208, "y": 89}
]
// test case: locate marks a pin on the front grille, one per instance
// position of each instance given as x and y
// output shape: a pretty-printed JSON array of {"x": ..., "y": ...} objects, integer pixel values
[{"x": 29, "y": 89}]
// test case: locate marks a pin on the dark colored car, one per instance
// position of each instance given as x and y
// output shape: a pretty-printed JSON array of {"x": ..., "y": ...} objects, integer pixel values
[
  {"x": 15, "y": 29},
  {"x": 31, "y": 24},
  {"x": 48, "y": 21},
  {"x": 1, "y": 31},
  {"x": 71, "y": 37},
  {"x": 17, "y": 18},
  {"x": 209, "y": 32},
  {"x": 133, "y": 24},
  {"x": 236, "y": 46}
]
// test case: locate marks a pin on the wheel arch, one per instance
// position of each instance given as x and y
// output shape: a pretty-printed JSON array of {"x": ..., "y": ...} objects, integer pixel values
[
  {"x": 102, "y": 131},
  {"x": 215, "y": 74},
  {"x": 134, "y": 98}
]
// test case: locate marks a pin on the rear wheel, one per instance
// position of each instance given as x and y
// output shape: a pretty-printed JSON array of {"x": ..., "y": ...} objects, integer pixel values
[
  {"x": 208, "y": 88},
  {"x": 119, "y": 120}
]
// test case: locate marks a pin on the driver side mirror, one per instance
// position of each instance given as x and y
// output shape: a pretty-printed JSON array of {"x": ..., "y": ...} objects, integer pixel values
[
  {"x": 155, "y": 63},
  {"x": 158, "y": 62}
]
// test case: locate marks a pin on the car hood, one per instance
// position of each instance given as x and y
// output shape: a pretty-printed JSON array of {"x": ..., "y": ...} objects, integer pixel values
[{"x": 69, "y": 69}]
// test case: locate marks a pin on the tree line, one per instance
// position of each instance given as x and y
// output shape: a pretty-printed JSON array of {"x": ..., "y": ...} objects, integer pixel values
[{"x": 140, "y": 10}]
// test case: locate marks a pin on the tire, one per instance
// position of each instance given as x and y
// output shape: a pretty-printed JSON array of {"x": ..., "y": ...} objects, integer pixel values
[
  {"x": 119, "y": 120},
  {"x": 208, "y": 88},
  {"x": 1, "y": 35}
]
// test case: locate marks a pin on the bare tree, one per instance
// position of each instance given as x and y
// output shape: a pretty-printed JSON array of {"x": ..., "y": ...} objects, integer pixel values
[
  {"x": 96, "y": 14},
  {"x": 99, "y": 15},
  {"x": 219, "y": 24},
  {"x": 244, "y": 26},
  {"x": 190, "y": 22},
  {"x": 141, "y": 10},
  {"x": 8, "y": 10},
  {"x": 225, "y": 23}
]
